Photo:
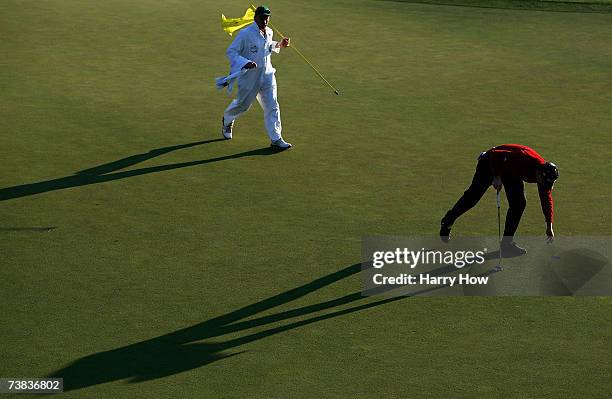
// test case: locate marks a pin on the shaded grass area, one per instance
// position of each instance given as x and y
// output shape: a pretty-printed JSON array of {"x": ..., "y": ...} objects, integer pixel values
[
  {"x": 103, "y": 173},
  {"x": 144, "y": 257},
  {"x": 603, "y": 6}
]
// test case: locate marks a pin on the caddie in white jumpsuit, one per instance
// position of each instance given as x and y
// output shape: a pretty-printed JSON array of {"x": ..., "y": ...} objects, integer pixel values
[{"x": 251, "y": 50}]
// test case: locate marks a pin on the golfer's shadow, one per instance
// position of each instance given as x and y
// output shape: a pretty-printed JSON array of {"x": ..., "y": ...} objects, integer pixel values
[
  {"x": 182, "y": 350},
  {"x": 104, "y": 173}
]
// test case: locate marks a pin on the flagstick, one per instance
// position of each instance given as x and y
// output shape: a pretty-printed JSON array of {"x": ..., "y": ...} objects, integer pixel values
[
  {"x": 304, "y": 58},
  {"x": 308, "y": 62}
]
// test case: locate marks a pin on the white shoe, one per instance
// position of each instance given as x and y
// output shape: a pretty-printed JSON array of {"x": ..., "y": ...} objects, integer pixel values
[
  {"x": 280, "y": 144},
  {"x": 226, "y": 131}
]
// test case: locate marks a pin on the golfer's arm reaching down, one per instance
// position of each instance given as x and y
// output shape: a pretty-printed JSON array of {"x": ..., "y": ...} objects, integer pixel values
[{"x": 547, "y": 208}]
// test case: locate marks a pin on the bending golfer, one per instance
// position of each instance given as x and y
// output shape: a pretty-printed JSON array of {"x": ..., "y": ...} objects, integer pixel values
[
  {"x": 509, "y": 165},
  {"x": 251, "y": 51}
]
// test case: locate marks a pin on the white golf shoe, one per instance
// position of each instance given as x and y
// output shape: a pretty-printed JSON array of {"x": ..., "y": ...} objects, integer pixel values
[
  {"x": 280, "y": 144},
  {"x": 226, "y": 130}
]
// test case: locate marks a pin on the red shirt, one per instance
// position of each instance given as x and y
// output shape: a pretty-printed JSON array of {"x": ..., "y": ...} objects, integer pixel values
[{"x": 522, "y": 162}]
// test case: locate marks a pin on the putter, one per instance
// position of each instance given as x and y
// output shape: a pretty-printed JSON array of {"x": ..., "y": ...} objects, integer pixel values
[{"x": 499, "y": 266}]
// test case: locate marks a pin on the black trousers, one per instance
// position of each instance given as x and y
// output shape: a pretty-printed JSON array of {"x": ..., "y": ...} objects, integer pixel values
[{"x": 483, "y": 177}]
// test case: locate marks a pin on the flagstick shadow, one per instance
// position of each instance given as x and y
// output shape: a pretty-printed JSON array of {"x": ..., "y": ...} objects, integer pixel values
[
  {"x": 102, "y": 173},
  {"x": 180, "y": 350},
  {"x": 29, "y": 229}
]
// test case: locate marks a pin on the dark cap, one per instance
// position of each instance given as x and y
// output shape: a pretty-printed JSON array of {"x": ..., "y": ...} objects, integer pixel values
[
  {"x": 550, "y": 172},
  {"x": 262, "y": 10}
]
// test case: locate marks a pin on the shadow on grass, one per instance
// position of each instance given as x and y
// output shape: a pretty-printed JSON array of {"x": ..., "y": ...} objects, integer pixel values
[
  {"x": 180, "y": 350},
  {"x": 29, "y": 229},
  {"x": 193, "y": 347},
  {"x": 495, "y": 255},
  {"x": 102, "y": 173},
  {"x": 569, "y": 271},
  {"x": 523, "y": 5}
]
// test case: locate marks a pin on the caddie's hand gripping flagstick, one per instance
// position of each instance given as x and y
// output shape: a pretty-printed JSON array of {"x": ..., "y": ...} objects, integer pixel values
[{"x": 303, "y": 57}]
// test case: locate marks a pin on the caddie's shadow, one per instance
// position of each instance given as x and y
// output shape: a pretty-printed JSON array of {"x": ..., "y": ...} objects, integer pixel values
[
  {"x": 182, "y": 350},
  {"x": 104, "y": 173}
]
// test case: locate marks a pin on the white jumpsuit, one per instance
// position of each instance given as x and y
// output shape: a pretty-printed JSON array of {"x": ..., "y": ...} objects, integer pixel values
[{"x": 250, "y": 45}]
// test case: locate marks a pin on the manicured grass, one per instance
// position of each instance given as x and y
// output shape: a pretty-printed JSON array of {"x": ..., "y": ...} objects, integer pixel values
[
  {"x": 178, "y": 265},
  {"x": 573, "y": 6}
]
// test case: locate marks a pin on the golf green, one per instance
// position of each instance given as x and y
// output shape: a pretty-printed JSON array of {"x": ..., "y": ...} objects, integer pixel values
[{"x": 142, "y": 256}]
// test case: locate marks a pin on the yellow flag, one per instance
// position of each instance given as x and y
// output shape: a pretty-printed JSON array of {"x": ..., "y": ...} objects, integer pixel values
[{"x": 231, "y": 25}]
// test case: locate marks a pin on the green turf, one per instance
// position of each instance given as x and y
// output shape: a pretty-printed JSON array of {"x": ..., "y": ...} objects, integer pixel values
[
  {"x": 573, "y": 6},
  {"x": 177, "y": 265}
]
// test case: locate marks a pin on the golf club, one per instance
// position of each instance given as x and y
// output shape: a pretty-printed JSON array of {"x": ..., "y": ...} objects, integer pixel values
[{"x": 499, "y": 266}]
